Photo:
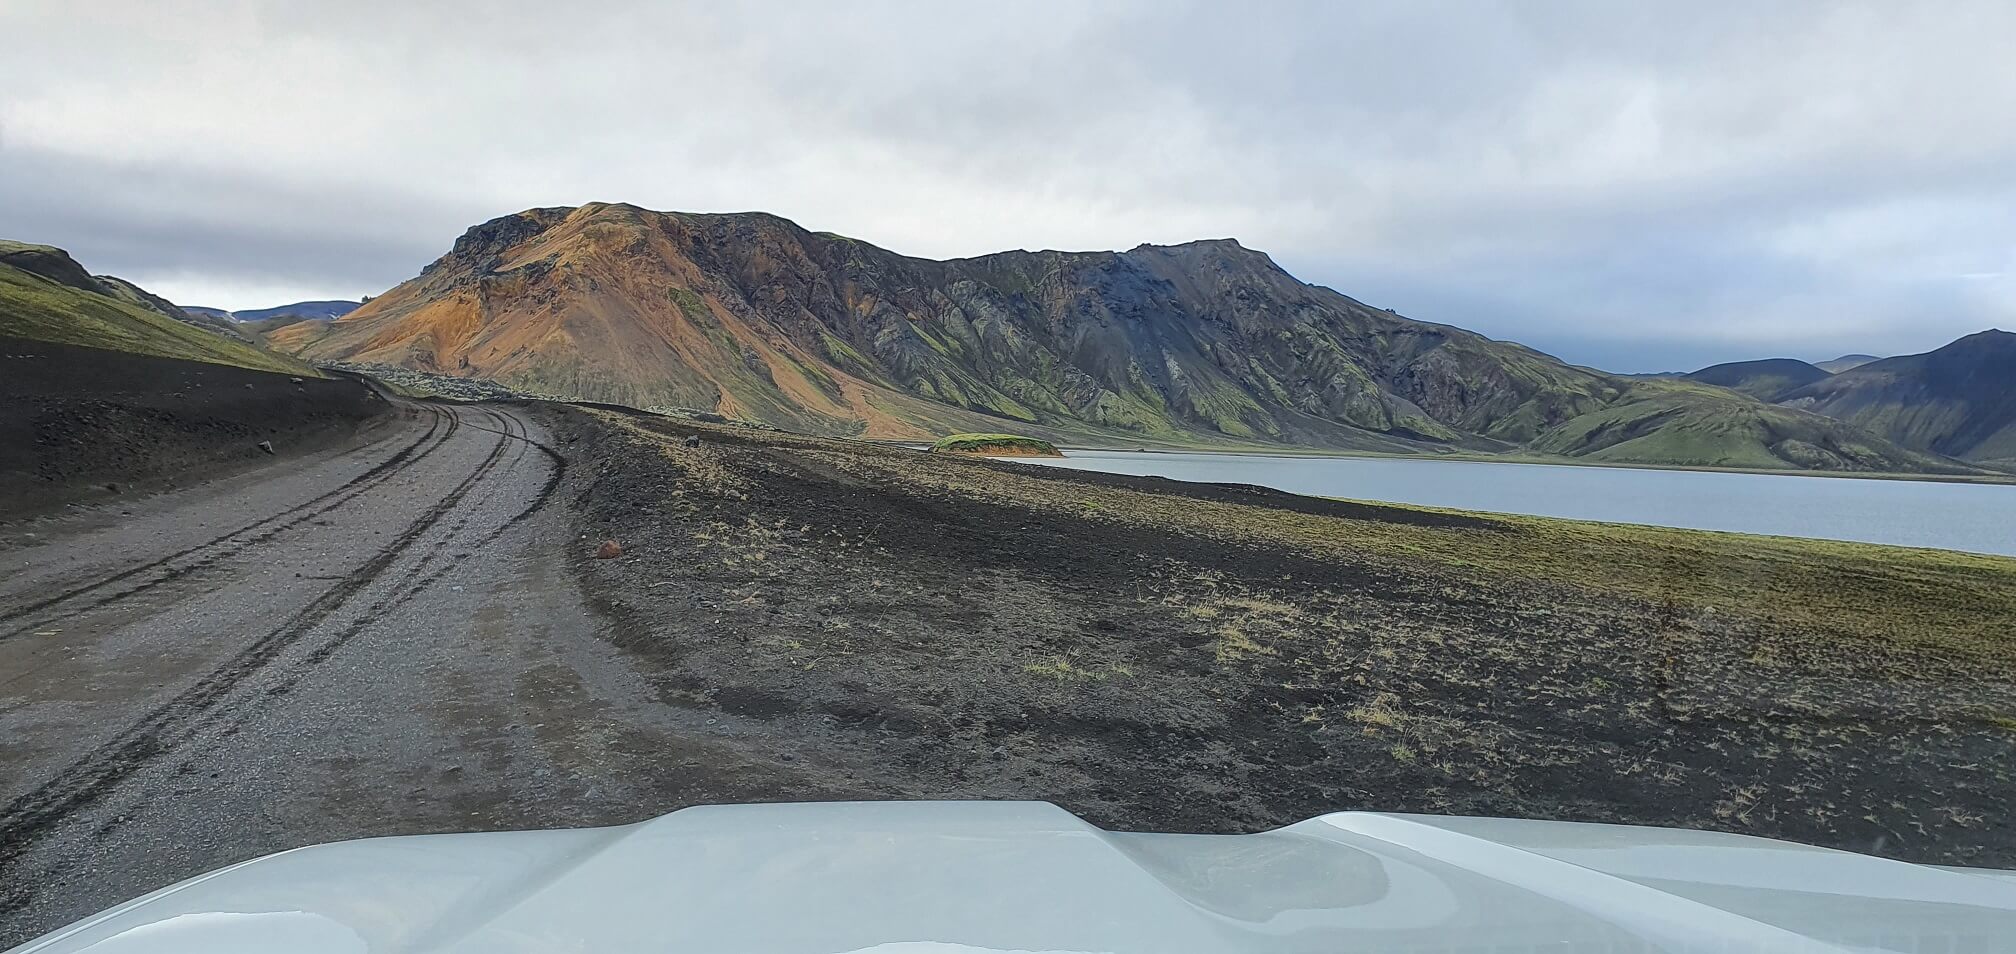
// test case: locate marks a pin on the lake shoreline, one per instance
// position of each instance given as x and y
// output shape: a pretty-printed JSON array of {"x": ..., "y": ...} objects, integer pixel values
[
  {"x": 1311, "y": 453},
  {"x": 849, "y": 620},
  {"x": 1965, "y": 517}
]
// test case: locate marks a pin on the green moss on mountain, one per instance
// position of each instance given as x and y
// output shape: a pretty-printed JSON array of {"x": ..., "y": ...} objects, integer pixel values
[
  {"x": 1676, "y": 423},
  {"x": 39, "y": 307},
  {"x": 996, "y": 445}
]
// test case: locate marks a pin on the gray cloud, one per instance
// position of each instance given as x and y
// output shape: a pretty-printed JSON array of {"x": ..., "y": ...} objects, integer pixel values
[{"x": 1639, "y": 187}]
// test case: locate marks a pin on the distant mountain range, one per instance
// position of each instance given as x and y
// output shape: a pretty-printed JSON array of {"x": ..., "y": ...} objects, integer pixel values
[
  {"x": 297, "y": 310},
  {"x": 1959, "y": 400},
  {"x": 1205, "y": 343},
  {"x": 1845, "y": 362},
  {"x": 1202, "y": 344},
  {"x": 1762, "y": 379}
]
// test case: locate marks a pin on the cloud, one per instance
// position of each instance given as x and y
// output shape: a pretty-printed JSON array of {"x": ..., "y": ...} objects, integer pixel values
[{"x": 1641, "y": 186}]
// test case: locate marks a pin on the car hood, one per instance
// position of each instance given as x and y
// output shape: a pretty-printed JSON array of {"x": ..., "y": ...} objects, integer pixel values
[{"x": 941, "y": 877}]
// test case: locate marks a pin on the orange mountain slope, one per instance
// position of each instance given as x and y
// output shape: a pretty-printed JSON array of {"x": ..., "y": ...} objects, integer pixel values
[
  {"x": 752, "y": 316},
  {"x": 1208, "y": 342}
]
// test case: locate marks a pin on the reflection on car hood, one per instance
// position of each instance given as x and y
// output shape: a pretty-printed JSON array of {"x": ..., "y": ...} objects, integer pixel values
[{"x": 917, "y": 877}]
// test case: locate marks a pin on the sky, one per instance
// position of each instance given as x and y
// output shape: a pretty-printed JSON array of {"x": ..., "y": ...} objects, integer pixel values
[{"x": 1636, "y": 187}]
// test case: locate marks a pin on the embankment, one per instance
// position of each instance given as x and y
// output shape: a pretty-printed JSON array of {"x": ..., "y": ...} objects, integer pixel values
[{"x": 83, "y": 424}]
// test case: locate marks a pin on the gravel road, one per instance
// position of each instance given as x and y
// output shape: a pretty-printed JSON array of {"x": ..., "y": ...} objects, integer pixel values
[{"x": 385, "y": 640}]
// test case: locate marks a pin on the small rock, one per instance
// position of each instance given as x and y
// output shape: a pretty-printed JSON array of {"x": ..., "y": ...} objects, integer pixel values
[
  {"x": 693, "y": 440},
  {"x": 112, "y": 487},
  {"x": 609, "y": 550},
  {"x": 295, "y": 380},
  {"x": 266, "y": 446}
]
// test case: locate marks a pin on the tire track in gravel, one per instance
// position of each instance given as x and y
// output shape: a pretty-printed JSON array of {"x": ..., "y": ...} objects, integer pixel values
[
  {"x": 163, "y": 730},
  {"x": 420, "y": 583},
  {"x": 224, "y": 546}
]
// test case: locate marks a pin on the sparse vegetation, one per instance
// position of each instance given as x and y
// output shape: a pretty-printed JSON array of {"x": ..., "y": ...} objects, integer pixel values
[
  {"x": 1064, "y": 670},
  {"x": 688, "y": 302},
  {"x": 995, "y": 445},
  {"x": 1121, "y": 644},
  {"x": 39, "y": 309}
]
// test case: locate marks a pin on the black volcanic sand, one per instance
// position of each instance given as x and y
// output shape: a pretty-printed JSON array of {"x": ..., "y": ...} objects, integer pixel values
[
  {"x": 88, "y": 425},
  {"x": 859, "y": 621}
]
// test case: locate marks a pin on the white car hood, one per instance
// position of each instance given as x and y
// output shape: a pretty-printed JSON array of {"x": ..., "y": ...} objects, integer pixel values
[{"x": 941, "y": 877}]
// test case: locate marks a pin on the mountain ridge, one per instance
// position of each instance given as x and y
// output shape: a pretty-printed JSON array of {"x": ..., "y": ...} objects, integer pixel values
[
  {"x": 319, "y": 308},
  {"x": 1762, "y": 378},
  {"x": 1958, "y": 400},
  {"x": 1108, "y": 331},
  {"x": 45, "y": 295},
  {"x": 1845, "y": 362},
  {"x": 1206, "y": 342}
]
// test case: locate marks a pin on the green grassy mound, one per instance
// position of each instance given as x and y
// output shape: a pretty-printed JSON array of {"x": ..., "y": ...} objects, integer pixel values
[{"x": 996, "y": 445}]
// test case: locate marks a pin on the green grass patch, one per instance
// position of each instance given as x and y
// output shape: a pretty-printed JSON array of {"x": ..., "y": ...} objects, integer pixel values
[
  {"x": 996, "y": 444},
  {"x": 1064, "y": 670},
  {"x": 689, "y": 303},
  {"x": 38, "y": 309}
]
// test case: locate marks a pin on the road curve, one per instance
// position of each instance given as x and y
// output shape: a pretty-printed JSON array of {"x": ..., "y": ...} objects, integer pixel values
[{"x": 380, "y": 641}]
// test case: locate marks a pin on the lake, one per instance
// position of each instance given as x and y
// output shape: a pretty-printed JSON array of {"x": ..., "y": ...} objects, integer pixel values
[{"x": 1976, "y": 517}]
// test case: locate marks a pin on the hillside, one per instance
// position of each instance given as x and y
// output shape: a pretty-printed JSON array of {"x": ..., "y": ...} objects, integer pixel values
[
  {"x": 1206, "y": 343},
  {"x": 752, "y": 316},
  {"x": 1683, "y": 424},
  {"x": 1959, "y": 400},
  {"x": 46, "y": 296},
  {"x": 1763, "y": 379}
]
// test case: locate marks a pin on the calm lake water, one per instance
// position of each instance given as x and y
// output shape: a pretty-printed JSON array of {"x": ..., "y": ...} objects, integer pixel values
[{"x": 1976, "y": 517}]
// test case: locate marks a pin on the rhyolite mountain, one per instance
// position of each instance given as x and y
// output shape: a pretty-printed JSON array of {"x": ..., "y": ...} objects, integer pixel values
[
  {"x": 751, "y": 316},
  {"x": 1959, "y": 401},
  {"x": 1763, "y": 379}
]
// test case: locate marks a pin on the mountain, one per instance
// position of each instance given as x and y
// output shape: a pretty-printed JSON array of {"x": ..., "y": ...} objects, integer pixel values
[
  {"x": 1763, "y": 379},
  {"x": 1208, "y": 342},
  {"x": 57, "y": 266},
  {"x": 752, "y": 316},
  {"x": 1685, "y": 423},
  {"x": 297, "y": 310},
  {"x": 46, "y": 296},
  {"x": 1959, "y": 400},
  {"x": 301, "y": 309},
  {"x": 1845, "y": 362}
]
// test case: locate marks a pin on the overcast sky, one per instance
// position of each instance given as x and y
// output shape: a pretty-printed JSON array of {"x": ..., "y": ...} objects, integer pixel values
[{"x": 1633, "y": 186}]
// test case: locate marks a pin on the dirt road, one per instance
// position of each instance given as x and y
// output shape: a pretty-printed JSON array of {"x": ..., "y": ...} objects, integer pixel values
[{"x": 379, "y": 641}]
